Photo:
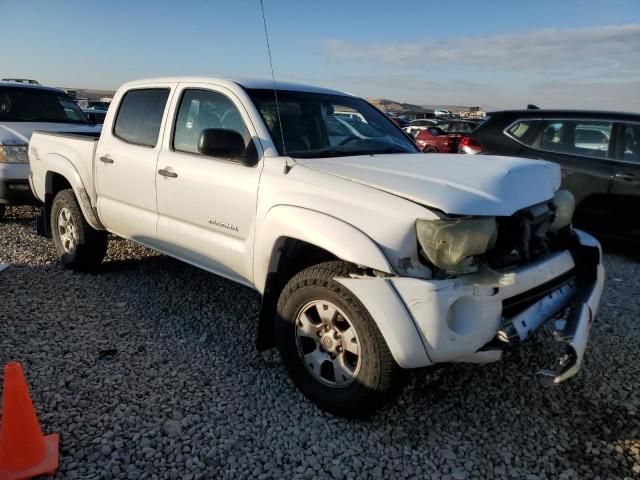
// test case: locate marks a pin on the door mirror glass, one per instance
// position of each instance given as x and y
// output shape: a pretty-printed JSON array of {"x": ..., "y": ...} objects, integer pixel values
[{"x": 223, "y": 143}]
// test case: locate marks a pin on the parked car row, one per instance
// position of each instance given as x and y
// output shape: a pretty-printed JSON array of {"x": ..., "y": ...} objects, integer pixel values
[
  {"x": 443, "y": 137},
  {"x": 599, "y": 153}
]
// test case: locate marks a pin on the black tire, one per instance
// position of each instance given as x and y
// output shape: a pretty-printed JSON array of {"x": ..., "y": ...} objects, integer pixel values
[
  {"x": 378, "y": 377},
  {"x": 3, "y": 209},
  {"x": 429, "y": 149},
  {"x": 90, "y": 244}
]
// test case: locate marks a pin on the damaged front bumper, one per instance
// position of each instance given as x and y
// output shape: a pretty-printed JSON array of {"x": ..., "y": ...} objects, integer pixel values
[
  {"x": 582, "y": 296},
  {"x": 474, "y": 318}
]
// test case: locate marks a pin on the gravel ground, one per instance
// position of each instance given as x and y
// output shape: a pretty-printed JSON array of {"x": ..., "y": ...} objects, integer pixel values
[{"x": 148, "y": 370}]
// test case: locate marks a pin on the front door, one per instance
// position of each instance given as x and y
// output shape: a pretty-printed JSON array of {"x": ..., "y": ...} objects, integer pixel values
[
  {"x": 125, "y": 162},
  {"x": 207, "y": 205}
]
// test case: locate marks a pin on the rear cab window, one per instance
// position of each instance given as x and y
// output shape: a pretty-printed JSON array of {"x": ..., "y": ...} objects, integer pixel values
[{"x": 140, "y": 115}]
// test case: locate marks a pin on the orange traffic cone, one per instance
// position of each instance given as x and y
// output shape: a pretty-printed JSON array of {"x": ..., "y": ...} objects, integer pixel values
[{"x": 24, "y": 451}]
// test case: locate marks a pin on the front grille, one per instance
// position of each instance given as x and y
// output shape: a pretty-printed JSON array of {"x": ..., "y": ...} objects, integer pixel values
[{"x": 522, "y": 237}]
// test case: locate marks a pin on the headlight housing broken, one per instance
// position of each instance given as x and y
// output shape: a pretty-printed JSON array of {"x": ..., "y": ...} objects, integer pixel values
[{"x": 452, "y": 244}]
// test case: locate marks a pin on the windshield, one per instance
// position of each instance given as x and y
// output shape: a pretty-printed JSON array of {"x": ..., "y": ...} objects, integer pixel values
[
  {"x": 319, "y": 125},
  {"x": 34, "y": 105}
]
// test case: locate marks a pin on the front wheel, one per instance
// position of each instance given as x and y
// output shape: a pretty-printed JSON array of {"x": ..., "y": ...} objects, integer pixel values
[
  {"x": 330, "y": 345},
  {"x": 79, "y": 246},
  {"x": 429, "y": 149},
  {"x": 3, "y": 209}
]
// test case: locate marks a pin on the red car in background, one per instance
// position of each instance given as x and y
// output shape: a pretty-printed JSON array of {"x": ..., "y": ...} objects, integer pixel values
[{"x": 444, "y": 137}]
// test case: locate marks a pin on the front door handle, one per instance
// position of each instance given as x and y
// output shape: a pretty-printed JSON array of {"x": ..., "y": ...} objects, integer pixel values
[
  {"x": 624, "y": 176},
  {"x": 167, "y": 173},
  {"x": 106, "y": 159}
]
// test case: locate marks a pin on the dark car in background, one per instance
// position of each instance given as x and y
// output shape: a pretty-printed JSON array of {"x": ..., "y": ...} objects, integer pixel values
[
  {"x": 95, "y": 115},
  {"x": 599, "y": 153},
  {"x": 98, "y": 105}
]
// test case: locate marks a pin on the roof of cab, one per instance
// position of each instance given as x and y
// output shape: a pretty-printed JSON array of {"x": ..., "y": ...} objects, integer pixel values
[
  {"x": 569, "y": 114},
  {"x": 248, "y": 83},
  {"x": 30, "y": 86}
]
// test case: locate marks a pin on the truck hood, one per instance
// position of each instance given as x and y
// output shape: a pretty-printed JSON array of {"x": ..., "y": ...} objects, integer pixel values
[
  {"x": 454, "y": 184},
  {"x": 19, "y": 133}
]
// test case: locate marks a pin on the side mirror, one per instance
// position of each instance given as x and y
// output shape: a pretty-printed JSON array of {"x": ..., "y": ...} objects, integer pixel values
[{"x": 223, "y": 143}]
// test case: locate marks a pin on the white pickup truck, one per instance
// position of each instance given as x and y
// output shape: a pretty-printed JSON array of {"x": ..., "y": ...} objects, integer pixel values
[{"x": 370, "y": 256}]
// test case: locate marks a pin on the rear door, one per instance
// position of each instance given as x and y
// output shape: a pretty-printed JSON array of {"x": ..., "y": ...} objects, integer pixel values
[
  {"x": 125, "y": 165},
  {"x": 582, "y": 148},
  {"x": 625, "y": 179}
]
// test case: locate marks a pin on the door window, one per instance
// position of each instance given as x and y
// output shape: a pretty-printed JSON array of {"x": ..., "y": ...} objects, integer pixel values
[
  {"x": 574, "y": 137},
  {"x": 631, "y": 139},
  {"x": 140, "y": 115},
  {"x": 203, "y": 109}
]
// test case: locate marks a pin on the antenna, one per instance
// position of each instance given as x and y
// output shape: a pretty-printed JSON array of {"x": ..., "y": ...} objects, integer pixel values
[{"x": 287, "y": 167}]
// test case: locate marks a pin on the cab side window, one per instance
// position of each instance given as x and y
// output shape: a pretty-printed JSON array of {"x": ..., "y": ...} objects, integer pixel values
[
  {"x": 203, "y": 109},
  {"x": 140, "y": 115}
]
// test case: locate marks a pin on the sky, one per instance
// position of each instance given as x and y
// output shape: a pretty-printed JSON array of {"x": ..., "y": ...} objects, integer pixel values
[{"x": 493, "y": 54}]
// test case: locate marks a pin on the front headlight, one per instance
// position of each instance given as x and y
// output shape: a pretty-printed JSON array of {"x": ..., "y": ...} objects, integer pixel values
[
  {"x": 452, "y": 244},
  {"x": 13, "y": 154},
  {"x": 565, "y": 204}
]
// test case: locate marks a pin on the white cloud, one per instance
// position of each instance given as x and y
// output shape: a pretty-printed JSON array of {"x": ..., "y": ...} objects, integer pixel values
[
  {"x": 589, "y": 68},
  {"x": 605, "y": 52}
]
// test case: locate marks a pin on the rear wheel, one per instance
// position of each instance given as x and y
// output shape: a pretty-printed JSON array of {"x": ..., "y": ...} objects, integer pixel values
[
  {"x": 79, "y": 246},
  {"x": 330, "y": 345},
  {"x": 3, "y": 209}
]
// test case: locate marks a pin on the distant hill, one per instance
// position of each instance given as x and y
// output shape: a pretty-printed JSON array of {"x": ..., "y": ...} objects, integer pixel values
[
  {"x": 451, "y": 108},
  {"x": 387, "y": 105},
  {"x": 90, "y": 94}
]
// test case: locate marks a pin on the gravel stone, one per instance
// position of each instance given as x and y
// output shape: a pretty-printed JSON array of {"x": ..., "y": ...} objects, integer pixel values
[
  {"x": 172, "y": 428},
  {"x": 148, "y": 369}
]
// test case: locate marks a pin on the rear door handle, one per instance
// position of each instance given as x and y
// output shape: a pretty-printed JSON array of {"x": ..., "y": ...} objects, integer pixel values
[
  {"x": 106, "y": 159},
  {"x": 624, "y": 176},
  {"x": 167, "y": 173}
]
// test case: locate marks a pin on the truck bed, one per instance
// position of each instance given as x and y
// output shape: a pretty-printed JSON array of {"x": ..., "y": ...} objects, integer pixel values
[{"x": 68, "y": 154}]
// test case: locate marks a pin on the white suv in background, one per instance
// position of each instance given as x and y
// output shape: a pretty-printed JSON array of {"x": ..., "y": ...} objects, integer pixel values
[{"x": 24, "y": 108}]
